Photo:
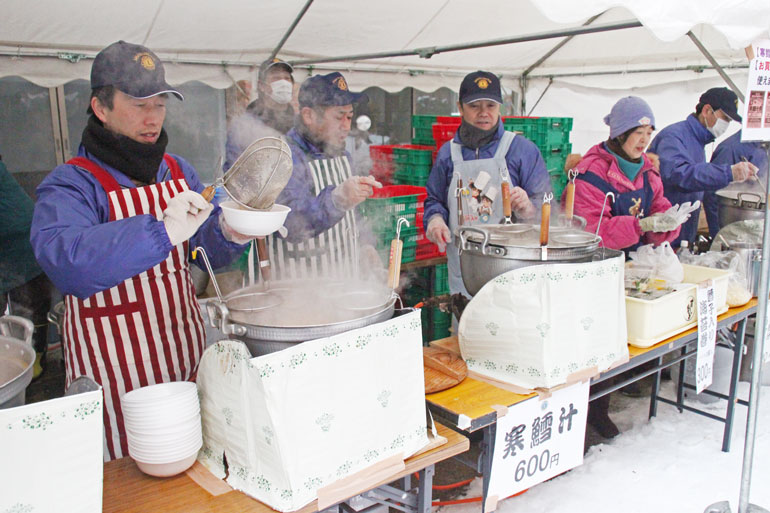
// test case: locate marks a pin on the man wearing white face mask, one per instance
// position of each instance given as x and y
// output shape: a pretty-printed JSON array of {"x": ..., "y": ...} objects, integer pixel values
[
  {"x": 271, "y": 114},
  {"x": 686, "y": 174}
]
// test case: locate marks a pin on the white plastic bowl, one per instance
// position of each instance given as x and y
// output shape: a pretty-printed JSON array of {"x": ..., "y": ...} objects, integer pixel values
[
  {"x": 167, "y": 469},
  {"x": 257, "y": 223}
]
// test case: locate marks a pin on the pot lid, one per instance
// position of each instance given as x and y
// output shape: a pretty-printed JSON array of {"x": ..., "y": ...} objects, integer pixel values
[
  {"x": 528, "y": 236},
  {"x": 750, "y": 193}
]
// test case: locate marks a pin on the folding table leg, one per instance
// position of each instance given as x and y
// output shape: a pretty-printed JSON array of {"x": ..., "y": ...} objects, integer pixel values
[
  {"x": 487, "y": 448},
  {"x": 425, "y": 490},
  {"x": 734, "y": 376},
  {"x": 655, "y": 389},
  {"x": 680, "y": 383}
]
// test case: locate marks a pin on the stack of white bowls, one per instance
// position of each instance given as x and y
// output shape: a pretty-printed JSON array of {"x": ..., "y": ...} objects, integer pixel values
[{"x": 163, "y": 426}]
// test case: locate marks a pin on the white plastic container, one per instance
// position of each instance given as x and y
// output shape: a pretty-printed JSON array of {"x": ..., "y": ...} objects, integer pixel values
[{"x": 651, "y": 321}]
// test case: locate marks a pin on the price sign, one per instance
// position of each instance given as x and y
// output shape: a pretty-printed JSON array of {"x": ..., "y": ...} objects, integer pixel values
[
  {"x": 707, "y": 335},
  {"x": 537, "y": 440}
]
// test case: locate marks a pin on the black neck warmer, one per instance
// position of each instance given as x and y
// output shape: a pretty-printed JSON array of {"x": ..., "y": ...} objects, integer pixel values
[
  {"x": 475, "y": 138},
  {"x": 136, "y": 160}
]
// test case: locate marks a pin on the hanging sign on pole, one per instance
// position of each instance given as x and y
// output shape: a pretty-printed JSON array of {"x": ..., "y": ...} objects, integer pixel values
[{"x": 756, "y": 108}]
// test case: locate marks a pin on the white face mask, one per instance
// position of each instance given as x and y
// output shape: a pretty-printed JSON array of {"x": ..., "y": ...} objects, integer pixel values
[
  {"x": 719, "y": 127},
  {"x": 282, "y": 91}
]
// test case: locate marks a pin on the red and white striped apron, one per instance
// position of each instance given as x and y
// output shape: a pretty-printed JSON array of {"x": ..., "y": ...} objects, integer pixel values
[{"x": 143, "y": 331}]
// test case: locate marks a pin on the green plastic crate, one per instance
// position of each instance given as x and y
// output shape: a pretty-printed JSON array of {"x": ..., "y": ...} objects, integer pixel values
[
  {"x": 441, "y": 280},
  {"x": 423, "y": 120},
  {"x": 407, "y": 253},
  {"x": 424, "y": 135},
  {"x": 413, "y": 156}
]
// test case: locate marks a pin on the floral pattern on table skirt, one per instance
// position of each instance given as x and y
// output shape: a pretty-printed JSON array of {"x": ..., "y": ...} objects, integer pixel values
[
  {"x": 536, "y": 325},
  {"x": 302, "y": 418},
  {"x": 58, "y": 442}
]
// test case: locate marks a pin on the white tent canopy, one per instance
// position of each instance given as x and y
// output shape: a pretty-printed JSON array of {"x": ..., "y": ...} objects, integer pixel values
[{"x": 50, "y": 42}]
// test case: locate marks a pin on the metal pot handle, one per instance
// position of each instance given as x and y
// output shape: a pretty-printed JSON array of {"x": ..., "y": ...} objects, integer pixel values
[
  {"x": 754, "y": 194},
  {"x": 464, "y": 240},
  {"x": 219, "y": 317},
  {"x": 7, "y": 323}
]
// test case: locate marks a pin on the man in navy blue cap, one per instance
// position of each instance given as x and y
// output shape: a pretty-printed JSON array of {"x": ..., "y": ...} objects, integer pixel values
[
  {"x": 482, "y": 155},
  {"x": 681, "y": 148},
  {"x": 324, "y": 236},
  {"x": 114, "y": 227}
]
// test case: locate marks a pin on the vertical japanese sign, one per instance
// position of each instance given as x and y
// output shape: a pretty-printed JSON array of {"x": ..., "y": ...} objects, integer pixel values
[
  {"x": 707, "y": 335},
  {"x": 537, "y": 440},
  {"x": 756, "y": 112}
]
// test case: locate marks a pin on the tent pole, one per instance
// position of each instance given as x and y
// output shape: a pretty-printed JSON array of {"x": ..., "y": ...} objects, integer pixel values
[
  {"x": 550, "y": 83},
  {"x": 523, "y": 82},
  {"x": 290, "y": 30},
  {"x": 716, "y": 65},
  {"x": 558, "y": 46},
  {"x": 427, "y": 53},
  {"x": 756, "y": 372}
]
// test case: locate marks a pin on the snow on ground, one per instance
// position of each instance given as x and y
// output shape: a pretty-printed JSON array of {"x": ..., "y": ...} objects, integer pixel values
[{"x": 672, "y": 463}]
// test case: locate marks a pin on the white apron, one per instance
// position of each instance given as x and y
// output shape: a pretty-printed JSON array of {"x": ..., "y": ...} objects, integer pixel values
[
  {"x": 143, "y": 331},
  {"x": 481, "y": 196},
  {"x": 333, "y": 253}
]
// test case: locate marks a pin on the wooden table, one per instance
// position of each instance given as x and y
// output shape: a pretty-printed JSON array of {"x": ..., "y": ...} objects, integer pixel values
[
  {"x": 127, "y": 489},
  {"x": 469, "y": 406}
]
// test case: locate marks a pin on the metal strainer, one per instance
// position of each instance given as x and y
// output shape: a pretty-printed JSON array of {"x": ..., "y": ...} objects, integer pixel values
[{"x": 259, "y": 174}]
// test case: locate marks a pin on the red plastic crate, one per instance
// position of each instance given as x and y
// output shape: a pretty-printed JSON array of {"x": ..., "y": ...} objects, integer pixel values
[
  {"x": 449, "y": 120},
  {"x": 443, "y": 133},
  {"x": 393, "y": 191},
  {"x": 381, "y": 152}
]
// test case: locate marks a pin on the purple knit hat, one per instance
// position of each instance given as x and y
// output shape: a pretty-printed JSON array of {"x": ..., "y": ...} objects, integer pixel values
[{"x": 629, "y": 112}]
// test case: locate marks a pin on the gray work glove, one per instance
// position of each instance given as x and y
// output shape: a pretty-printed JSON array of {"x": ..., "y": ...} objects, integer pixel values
[{"x": 184, "y": 214}]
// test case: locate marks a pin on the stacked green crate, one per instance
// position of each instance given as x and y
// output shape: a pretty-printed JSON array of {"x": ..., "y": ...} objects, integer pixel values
[
  {"x": 384, "y": 238},
  {"x": 442, "y": 321},
  {"x": 422, "y": 129},
  {"x": 412, "y": 165},
  {"x": 551, "y": 136}
]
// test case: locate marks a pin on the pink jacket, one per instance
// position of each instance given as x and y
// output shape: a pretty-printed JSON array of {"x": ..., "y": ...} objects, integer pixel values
[{"x": 618, "y": 232}]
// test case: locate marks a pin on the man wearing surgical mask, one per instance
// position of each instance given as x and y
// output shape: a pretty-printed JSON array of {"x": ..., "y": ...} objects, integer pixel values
[
  {"x": 681, "y": 148},
  {"x": 271, "y": 114}
]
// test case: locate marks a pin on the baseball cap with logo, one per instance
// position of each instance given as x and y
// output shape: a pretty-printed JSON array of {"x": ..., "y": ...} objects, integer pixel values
[
  {"x": 133, "y": 69},
  {"x": 721, "y": 98},
  {"x": 480, "y": 85},
  {"x": 328, "y": 90},
  {"x": 271, "y": 63}
]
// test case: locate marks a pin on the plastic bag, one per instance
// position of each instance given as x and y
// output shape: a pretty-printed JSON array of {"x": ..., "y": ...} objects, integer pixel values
[
  {"x": 737, "y": 286},
  {"x": 655, "y": 263}
]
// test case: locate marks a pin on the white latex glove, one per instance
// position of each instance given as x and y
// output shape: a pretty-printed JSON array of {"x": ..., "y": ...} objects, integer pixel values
[
  {"x": 521, "y": 204},
  {"x": 438, "y": 232},
  {"x": 353, "y": 191},
  {"x": 742, "y": 171},
  {"x": 184, "y": 214},
  {"x": 231, "y": 235},
  {"x": 660, "y": 222}
]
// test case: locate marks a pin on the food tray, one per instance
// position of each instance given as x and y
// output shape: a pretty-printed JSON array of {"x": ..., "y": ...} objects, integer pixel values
[{"x": 651, "y": 321}]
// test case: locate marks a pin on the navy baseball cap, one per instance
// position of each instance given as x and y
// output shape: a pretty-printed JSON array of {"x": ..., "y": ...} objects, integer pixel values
[
  {"x": 328, "y": 90},
  {"x": 133, "y": 69},
  {"x": 480, "y": 85},
  {"x": 274, "y": 62},
  {"x": 721, "y": 98}
]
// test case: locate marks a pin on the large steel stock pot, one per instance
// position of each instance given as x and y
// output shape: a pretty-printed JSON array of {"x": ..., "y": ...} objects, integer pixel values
[{"x": 488, "y": 251}]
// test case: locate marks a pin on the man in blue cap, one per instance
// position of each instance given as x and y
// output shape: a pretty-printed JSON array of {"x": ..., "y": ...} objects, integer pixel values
[
  {"x": 686, "y": 174},
  {"x": 113, "y": 229},
  {"x": 482, "y": 155},
  {"x": 323, "y": 232},
  {"x": 728, "y": 152}
]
